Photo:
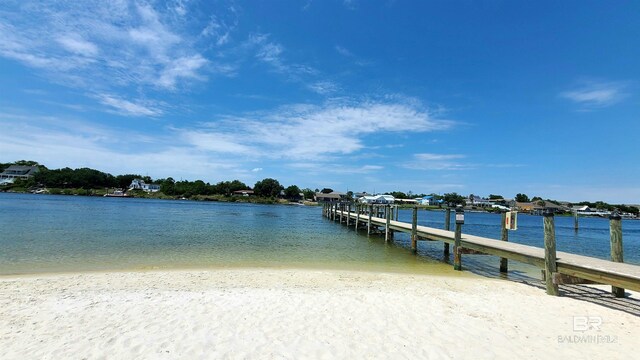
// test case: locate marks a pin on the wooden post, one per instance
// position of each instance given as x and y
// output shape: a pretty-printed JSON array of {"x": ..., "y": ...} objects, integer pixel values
[
  {"x": 387, "y": 216},
  {"x": 504, "y": 262},
  {"x": 348, "y": 213},
  {"x": 397, "y": 212},
  {"x": 615, "y": 230},
  {"x": 369, "y": 222},
  {"x": 447, "y": 226},
  {"x": 341, "y": 209},
  {"x": 414, "y": 230},
  {"x": 457, "y": 248},
  {"x": 357, "y": 216},
  {"x": 550, "y": 265},
  {"x": 575, "y": 221}
]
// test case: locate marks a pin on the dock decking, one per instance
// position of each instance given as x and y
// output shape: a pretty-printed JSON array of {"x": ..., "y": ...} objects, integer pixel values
[{"x": 575, "y": 268}]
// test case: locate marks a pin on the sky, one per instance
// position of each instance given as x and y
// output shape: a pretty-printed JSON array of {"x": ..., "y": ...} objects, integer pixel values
[{"x": 473, "y": 97}]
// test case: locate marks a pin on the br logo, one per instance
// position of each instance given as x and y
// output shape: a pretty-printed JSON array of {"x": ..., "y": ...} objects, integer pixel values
[{"x": 586, "y": 323}]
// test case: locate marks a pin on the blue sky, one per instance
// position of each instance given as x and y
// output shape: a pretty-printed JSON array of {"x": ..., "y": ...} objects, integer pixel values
[{"x": 482, "y": 97}]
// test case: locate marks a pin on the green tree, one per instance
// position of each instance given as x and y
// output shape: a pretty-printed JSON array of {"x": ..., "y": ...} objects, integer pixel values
[
  {"x": 453, "y": 199},
  {"x": 398, "y": 195},
  {"x": 326, "y": 191},
  {"x": 308, "y": 193},
  {"x": 495, "y": 197},
  {"x": 292, "y": 192},
  {"x": 267, "y": 187},
  {"x": 522, "y": 198}
]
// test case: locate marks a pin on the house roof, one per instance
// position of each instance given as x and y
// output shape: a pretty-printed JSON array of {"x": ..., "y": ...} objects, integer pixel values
[
  {"x": 331, "y": 195},
  {"x": 20, "y": 170}
]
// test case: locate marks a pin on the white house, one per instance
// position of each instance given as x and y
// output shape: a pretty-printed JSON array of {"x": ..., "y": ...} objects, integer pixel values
[
  {"x": 385, "y": 199},
  {"x": 477, "y": 201},
  {"x": 427, "y": 200},
  {"x": 367, "y": 199},
  {"x": 377, "y": 199},
  {"x": 139, "y": 184}
]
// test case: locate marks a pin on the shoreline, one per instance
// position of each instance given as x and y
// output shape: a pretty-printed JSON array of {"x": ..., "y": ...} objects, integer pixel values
[{"x": 293, "y": 313}]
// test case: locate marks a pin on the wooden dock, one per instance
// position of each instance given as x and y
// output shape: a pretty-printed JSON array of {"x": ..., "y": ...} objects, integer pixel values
[{"x": 566, "y": 269}]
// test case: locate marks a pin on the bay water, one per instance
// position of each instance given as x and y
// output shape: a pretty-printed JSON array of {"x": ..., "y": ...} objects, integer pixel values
[{"x": 57, "y": 233}]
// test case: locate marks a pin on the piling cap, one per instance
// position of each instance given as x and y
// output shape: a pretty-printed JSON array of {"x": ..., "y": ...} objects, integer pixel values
[
  {"x": 459, "y": 209},
  {"x": 547, "y": 212},
  {"x": 615, "y": 215}
]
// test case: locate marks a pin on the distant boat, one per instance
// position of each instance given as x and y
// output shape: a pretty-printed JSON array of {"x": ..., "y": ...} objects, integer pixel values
[{"x": 117, "y": 193}]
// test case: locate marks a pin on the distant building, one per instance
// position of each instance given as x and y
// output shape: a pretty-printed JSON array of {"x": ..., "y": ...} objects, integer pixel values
[
  {"x": 429, "y": 200},
  {"x": 139, "y": 184},
  {"x": 367, "y": 199},
  {"x": 477, "y": 201},
  {"x": 14, "y": 172},
  {"x": 247, "y": 192},
  {"x": 331, "y": 197},
  {"x": 377, "y": 199},
  {"x": 385, "y": 199}
]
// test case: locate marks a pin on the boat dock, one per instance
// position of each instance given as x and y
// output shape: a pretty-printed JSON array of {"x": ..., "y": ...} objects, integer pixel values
[{"x": 565, "y": 268}]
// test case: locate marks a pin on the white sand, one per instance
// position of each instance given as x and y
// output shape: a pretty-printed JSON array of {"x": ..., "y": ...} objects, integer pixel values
[{"x": 294, "y": 314}]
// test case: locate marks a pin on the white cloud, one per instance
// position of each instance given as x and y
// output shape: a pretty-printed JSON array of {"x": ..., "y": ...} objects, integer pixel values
[
  {"x": 60, "y": 142},
  {"x": 343, "y": 51},
  {"x": 185, "y": 67},
  {"x": 108, "y": 46},
  {"x": 596, "y": 94},
  {"x": 323, "y": 87},
  {"x": 77, "y": 45},
  {"x": 313, "y": 132},
  {"x": 431, "y": 161},
  {"x": 256, "y": 169},
  {"x": 126, "y": 107}
]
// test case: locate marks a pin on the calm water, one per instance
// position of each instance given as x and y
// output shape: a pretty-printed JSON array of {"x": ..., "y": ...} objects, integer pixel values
[{"x": 42, "y": 233}]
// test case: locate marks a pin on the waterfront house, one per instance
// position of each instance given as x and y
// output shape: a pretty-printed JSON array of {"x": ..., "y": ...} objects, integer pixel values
[
  {"x": 377, "y": 199},
  {"x": 331, "y": 197},
  {"x": 367, "y": 199},
  {"x": 475, "y": 200},
  {"x": 385, "y": 199},
  {"x": 246, "y": 192},
  {"x": 139, "y": 184},
  {"x": 14, "y": 172},
  {"x": 526, "y": 207},
  {"x": 429, "y": 200}
]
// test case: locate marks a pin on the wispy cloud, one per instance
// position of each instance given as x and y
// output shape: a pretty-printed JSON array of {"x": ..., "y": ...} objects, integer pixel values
[
  {"x": 323, "y": 87},
  {"x": 271, "y": 52},
  {"x": 431, "y": 161},
  {"x": 126, "y": 107},
  {"x": 114, "y": 47},
  {"x": 596, "y": 94},
  {"x": 303, "y": 131},
  {"x": 344, "y": 51},
  {"x": 59, "y": 142}
]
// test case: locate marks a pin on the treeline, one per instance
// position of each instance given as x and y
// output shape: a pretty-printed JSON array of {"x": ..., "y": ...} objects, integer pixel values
[{"x": 86, "y": 178}]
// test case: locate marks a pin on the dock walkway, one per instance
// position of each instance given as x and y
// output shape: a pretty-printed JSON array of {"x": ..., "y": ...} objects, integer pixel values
[{"x": 576, "y": 268}]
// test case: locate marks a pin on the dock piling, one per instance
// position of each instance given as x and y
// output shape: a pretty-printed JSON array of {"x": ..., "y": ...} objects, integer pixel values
[
  {"x": 457, "y": 249},
  {"x": 414, "y": 230},
  {"x": 369, "y": 221},
  {"x": 348, "y": 213},
  {"x": 615, "y": 231},
  {"x": 447, "y": 226},
  {"x": 504, "y": 263},
  {"x": 387, "y": 215},
  {"x": 550, "y": 265},
  {"x": 575, "y": 221}
]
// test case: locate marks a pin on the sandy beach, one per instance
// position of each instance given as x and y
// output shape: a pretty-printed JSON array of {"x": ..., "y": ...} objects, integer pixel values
[{"x": 290, "y": 313}]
